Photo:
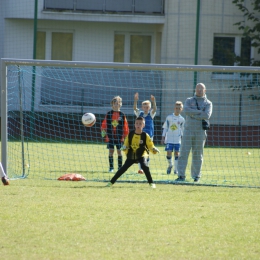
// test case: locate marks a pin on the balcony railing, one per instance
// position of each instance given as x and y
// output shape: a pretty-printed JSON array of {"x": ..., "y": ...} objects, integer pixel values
[{"x": 107, "y": 6}]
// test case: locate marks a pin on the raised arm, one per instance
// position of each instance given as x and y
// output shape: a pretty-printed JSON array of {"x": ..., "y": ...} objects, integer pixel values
[
  {"x": 136, "y": 97},
  {"x": 154, "y": 107}
]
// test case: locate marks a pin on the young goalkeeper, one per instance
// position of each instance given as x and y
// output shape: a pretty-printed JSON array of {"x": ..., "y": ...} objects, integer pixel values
[
  {"x": 136, "y": 146},
  {"x": 114, "y": 129}
]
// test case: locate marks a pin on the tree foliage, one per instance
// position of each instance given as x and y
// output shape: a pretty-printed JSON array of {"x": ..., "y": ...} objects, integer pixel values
[{"x": 252, "y": 32}]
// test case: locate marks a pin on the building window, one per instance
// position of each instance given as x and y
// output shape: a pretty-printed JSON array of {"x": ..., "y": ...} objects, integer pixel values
[
  {"x": 134, "y": 48},
  {"x": 231, "y": 51},
  {"x": 226, "y": 49},
  {"x": 245, "y": 53},
  {"x": 61, "y": 48},
  {"x": 40, "y": 45},
  {"x": 119, "y": 47},
  {"x": 140, "y": 49}
]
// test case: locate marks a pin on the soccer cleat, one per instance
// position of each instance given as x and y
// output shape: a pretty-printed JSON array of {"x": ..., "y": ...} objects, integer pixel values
[
  {"x": 175, "y": 172},
  {"x": 169, "y": 169},
  {"x": 197, "y": 179},
  {"x": 180, "y": 178},
  {"x": 111, "y": 170},
  {"x": 109, "y": 184},
  {"x": 152, "y": 185},
  {"x": 140, "y": 171},
  {"x": 5, "y": 181}
]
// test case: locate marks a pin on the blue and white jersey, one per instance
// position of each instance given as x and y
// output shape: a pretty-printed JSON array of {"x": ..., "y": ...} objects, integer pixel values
[
  {"x": 173, "y": 129},
  {"x": 149, "y": 124}
]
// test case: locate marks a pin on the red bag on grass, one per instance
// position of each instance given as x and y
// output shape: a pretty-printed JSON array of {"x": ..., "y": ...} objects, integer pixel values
[{"x": 71, "y": 177}]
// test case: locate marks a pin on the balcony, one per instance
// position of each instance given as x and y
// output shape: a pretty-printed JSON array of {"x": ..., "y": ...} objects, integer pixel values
[{"x": 148, "y": 7}]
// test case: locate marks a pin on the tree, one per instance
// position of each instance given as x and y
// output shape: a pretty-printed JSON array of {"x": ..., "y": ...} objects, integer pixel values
[{"x": 252, "y": 33}]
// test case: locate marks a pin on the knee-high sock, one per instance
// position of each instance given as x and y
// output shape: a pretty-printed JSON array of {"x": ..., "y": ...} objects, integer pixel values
[
  {"x": 169, "y": 159},
  {"x": 120, "y": 161},
  {"x": 111, "y": 162}
]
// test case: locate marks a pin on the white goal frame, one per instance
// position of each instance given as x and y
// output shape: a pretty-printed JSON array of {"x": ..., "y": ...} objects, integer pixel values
[{"x": 5, "y": 62}]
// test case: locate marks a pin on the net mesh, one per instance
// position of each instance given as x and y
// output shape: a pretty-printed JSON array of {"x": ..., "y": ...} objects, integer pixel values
[
  {"x": 46, "y": 138},
  {"x": 46, "y": 102}
]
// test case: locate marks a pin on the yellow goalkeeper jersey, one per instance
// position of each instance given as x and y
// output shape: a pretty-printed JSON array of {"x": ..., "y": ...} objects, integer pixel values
[{"x": 138, "y": 145}]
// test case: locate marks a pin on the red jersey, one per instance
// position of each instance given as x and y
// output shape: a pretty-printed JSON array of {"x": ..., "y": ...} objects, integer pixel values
[{"x": 115, "y": 125}]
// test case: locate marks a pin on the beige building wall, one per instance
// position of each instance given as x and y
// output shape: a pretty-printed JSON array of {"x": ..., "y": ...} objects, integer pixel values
[
  {"x": 179, "y": 42},
  {"x": 174, "y": 38}
]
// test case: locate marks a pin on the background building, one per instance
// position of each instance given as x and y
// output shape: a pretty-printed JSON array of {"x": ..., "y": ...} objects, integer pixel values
[{"x": 140, "y": 31}]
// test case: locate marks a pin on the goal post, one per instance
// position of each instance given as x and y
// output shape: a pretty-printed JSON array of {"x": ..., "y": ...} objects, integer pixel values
[
  {"x": 4, "y": 115},
  {"x": 42, "y": 103}
]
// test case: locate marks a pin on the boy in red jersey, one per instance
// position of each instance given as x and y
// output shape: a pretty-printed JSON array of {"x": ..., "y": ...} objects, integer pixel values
[{"x": 115, "y": 128}]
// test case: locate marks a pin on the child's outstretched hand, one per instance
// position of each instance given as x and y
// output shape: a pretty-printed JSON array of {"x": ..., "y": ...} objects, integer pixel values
[
  {"x": 155, "y": 150},
  {"x": 152, "y": 98},
  {"x": 124, "y": 148},
  {"x": 136, "y": 97}
]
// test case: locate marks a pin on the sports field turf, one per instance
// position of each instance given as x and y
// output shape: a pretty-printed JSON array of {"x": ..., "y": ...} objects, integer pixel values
[
  {"x": 50, "y": 219},
  {"x": 222, "y": 166},
  {"x": 43, "y": 219}
]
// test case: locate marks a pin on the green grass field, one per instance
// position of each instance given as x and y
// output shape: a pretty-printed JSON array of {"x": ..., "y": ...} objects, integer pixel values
[
  {"x": 50, "y": 219},
  {"x": 222, "y": 166},
  {"x": 43, "y": 219}
]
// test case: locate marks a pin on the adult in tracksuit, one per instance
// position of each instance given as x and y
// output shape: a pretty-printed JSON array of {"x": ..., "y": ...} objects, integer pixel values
[{"x": 196, "y": 109}]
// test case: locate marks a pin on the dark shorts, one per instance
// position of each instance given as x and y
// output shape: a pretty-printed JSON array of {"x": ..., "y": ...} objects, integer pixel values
[{"x": 112, "y": 144}]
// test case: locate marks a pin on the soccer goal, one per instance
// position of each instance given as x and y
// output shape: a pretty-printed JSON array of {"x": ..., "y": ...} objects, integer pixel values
[{"x": 42, "y": 103}]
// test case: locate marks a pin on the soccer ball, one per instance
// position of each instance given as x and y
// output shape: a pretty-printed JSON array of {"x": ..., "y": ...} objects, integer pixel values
[{"x": 88, "y": 119}]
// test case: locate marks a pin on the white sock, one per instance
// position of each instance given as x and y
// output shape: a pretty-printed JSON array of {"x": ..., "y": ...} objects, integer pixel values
[
  {"x": 2, "y": 170},
  {"x": 176, "y": 165},
  {"x": 169, "y": 159}
]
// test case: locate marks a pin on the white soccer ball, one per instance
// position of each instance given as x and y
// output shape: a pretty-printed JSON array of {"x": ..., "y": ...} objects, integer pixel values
[{"x": 88, "y": 119}]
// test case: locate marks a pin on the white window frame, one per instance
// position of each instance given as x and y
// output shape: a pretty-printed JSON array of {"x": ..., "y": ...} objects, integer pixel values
[
  {"x": 128, "y": 40},
  {"x": 48, "y": 40},
  {"x": 237, "y": 51}
]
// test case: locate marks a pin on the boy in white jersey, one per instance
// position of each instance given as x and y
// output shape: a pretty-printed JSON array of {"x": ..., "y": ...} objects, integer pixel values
[
  {"x": 148, "y": 113},
  {"x": 172, "y": 132}
]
